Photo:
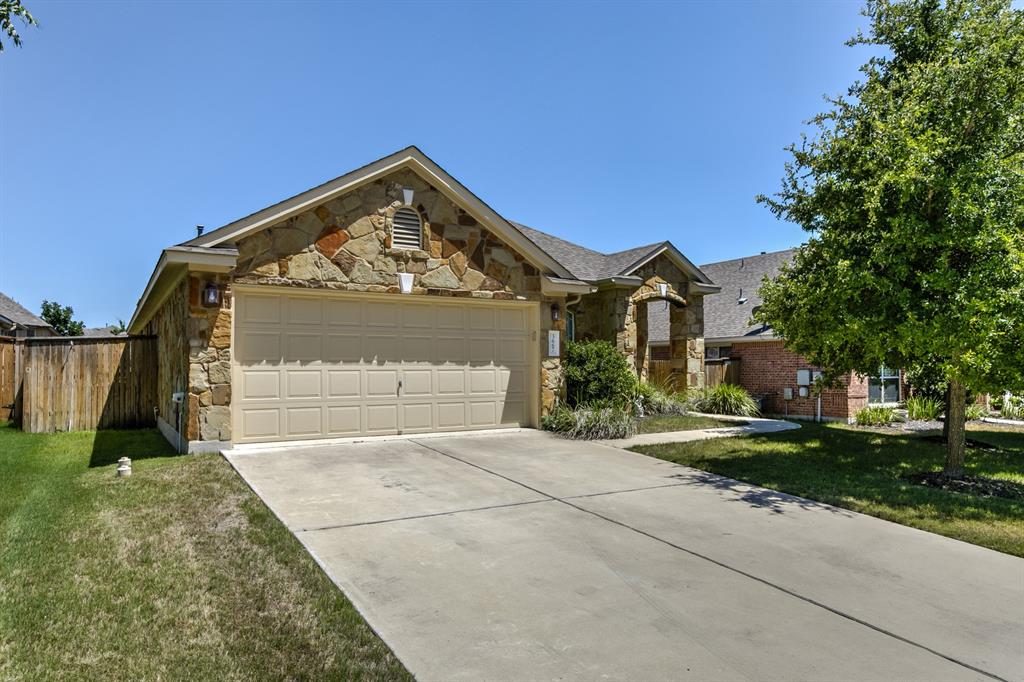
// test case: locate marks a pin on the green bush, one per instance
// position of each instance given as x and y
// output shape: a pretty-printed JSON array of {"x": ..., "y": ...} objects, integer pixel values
[
  {"x": 590, "y": 422},
  {"x": 923, "y": 408},
  {"x": 975, "y": 412},
  {"x": 651, "y": 400},
  {"x": 723, "y": 399},
  {"x": 1011, "y": 407},
  {"x": 875, "y": 416},
  {"x": 594, "y": 371}
]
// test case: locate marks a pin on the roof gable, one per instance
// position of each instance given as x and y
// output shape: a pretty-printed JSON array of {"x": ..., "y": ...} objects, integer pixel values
[
  {"x": 592, "y": 266},
  {"x": 411, "y": 158}
]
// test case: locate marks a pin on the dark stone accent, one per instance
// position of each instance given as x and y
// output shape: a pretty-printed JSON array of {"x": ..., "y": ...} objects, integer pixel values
[
  {"x": 467, "y": 220},
  {"x": 477, "y": 259},
  {"x": 450, "y": 247},
  {"x": 491, "y": 284}
]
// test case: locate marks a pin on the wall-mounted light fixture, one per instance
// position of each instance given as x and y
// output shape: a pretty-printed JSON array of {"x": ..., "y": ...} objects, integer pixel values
[
  {"x": 405, "y": 282},
  {"x": 407, "y": 195},
  {"x": 662, "y": 289},
  {"x": 211, "y": 294},
  {"x": 556, "y": 312}
]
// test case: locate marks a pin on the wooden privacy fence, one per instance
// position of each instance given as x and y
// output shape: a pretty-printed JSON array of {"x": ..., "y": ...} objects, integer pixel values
[
  {"x": 721, "y": 372},
  {"x": 8, "y": 377},
  {"x": 715, "y": 372},
  {"x": 82, "y": 383}
]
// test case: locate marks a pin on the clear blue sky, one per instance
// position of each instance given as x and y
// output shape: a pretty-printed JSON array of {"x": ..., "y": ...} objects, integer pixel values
[{"x": 612, "y": 125}]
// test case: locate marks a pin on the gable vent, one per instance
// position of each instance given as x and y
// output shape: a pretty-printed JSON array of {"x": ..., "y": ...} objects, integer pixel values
[{"x": 406, "y": 229}]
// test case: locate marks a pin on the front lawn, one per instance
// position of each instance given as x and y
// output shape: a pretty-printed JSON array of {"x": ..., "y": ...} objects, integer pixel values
[
  {"x": 682, "y": 422},
  {"x": 178, "y": 572},
  {"x": 860, "y": 470}
]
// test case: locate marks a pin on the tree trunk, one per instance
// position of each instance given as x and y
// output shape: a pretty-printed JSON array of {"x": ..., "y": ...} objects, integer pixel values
[
  {"x": 945, "y": 422},
  {"x": 956, "y": 423}
]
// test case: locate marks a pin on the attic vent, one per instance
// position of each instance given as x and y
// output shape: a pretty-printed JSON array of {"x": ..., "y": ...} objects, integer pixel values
[{"x": 406, "y": 229}]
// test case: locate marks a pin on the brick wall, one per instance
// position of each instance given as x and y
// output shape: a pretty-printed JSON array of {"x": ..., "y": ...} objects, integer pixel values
[{"x": 766, "y": 368}]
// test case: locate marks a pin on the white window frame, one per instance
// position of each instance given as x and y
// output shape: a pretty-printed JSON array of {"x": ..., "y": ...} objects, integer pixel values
[{"x": 884, "y": 374}]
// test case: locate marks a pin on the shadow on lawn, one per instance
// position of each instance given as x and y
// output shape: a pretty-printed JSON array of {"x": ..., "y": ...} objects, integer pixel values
[
  {"x": 109, "y": 445},
  {"x": 732, "y": 490}
]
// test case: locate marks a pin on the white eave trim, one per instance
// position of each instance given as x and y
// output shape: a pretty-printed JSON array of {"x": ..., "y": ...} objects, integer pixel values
[
  {"x": 682, "y": 261},
  {"x": 174, "y": 262},
  {"x": 716, "y": 341},
  {"x": 556, "y": 286},
  {"x": 411, "y": 158}
]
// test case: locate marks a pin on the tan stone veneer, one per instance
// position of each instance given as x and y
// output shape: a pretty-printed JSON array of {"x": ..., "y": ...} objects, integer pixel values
[{"x": 345, "y": 244}]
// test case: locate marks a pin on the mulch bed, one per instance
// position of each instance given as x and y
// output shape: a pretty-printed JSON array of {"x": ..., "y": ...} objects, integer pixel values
[{"x": 972, "y": 485}]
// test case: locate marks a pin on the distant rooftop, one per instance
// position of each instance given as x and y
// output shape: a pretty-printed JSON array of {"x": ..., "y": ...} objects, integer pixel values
[
  {"x": 18, "y": 314},
  {"x": 727, "y": 314}
]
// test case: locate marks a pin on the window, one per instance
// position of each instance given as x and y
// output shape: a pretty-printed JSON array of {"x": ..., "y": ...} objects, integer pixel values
[
  {"x": 570, "y": 326},
  {"x": 406, "y": 229},
  {"x": 884, "y": 388}
]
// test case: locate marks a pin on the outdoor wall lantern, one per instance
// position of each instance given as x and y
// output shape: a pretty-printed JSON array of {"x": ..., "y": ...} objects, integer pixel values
[
  {"x": 556, "y": 312},
  {"x": 405, "y": 282},
  {"x": 407, "y": 194},
  {"x": 662, "y": 289},
  {"x": 211, "y": 294}
]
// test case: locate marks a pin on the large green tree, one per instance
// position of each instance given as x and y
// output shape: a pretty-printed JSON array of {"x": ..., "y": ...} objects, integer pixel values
[
  {"x": 61, "y": 318},
  {"x": 912, "y": 189}
]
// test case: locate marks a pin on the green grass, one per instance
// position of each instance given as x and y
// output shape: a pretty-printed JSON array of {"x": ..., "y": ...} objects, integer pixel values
[
  {"x": 178, "y": 572},
  {"x": 682, "y": 422},
  {"x": 859, "y": 470}
]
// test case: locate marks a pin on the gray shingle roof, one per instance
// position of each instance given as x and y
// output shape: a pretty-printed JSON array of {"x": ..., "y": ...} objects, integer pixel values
[
  {"x": 724, "y": 315},
  {"x": 584, "y": 263},
  {"x": 15, "y": 312}
]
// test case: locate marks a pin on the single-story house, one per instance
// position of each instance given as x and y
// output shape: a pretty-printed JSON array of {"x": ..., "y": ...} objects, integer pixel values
[
  {"x": 392, "y": 300},
  {"x": 755, "y": 358},
  {"x": 17, "y": 321}
]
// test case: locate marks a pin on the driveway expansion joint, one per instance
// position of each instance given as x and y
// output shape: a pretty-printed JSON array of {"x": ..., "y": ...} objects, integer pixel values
[
  {"x": 738, "y": 571},
  {"x": 452, "y": 512}
]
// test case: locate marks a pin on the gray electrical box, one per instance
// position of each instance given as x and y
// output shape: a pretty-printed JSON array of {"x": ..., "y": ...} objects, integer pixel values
[
  {"x": 803, "y": 377},
  {"x": 787, "y": 393}
]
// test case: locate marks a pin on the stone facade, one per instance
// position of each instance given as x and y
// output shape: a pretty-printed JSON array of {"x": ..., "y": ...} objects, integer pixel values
[
  {"x": 619, "y": 314},
  {"x": 345, "y": 244},
  {"x": 172, "y": 355},
  {"x": 208, "y": 330}
]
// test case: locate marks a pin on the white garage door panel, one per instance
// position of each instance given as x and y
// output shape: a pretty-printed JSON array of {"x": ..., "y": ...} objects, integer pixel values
[{"x": 325, "y": 365}]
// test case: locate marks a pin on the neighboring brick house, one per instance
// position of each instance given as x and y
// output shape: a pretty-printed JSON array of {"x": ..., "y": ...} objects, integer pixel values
[
  {"x": 17, "y": 321},
  {"x": 765, "y": 368},
  {"x": 391, "y": 300}
]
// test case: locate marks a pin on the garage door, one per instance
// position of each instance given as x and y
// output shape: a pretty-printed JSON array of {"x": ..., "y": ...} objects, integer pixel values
[{"x": 326, "y": 365}]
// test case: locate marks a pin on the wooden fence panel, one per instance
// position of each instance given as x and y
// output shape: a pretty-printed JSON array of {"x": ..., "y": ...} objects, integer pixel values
[
  {"x": 724, "y": 372},
  {"x": 9, "y": 382},
  {"x": 75, "y": 384}
]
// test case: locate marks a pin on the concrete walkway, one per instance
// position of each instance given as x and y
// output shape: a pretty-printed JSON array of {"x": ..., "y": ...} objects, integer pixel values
[
  {"x": 526, "y": 557},
  {"x": 752, "y": 425}
]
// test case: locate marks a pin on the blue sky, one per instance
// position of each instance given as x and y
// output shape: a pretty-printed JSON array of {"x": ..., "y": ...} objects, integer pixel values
[{"x": 612, "y": 125}]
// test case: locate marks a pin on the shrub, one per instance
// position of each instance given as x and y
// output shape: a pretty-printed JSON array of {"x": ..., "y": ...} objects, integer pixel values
[
  {"x": 875, "y": 416},
  {"x": 590, "y": 422},
  {"x": 594, "y": 371},
  {"x": 1012, "y": 408},
  {"x": 723, "y": 399},
  {"x": 922, "y": 408},
  {"x": 651, "y": 400},
  {"x": 975, "y": 412}
]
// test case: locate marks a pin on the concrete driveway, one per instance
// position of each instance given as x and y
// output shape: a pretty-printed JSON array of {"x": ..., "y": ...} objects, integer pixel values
[{"x": 523, "y": 557}]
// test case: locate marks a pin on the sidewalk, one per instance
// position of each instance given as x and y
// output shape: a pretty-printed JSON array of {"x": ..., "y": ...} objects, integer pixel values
[{"x": 753, "y": 425}]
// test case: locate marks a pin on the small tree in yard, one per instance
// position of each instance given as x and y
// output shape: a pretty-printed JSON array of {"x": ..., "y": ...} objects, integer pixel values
[
  {"x": 60, "y": 318},
  {"x": 912, "y": 188}
]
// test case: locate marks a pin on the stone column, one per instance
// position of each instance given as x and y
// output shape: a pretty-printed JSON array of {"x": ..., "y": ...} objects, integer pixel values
[
  {"x": 686, "y": 342},
  {"x": 641, "y": 354},
  {"x": 624, "y": 319},
  {"x": 552, "y": 387}
]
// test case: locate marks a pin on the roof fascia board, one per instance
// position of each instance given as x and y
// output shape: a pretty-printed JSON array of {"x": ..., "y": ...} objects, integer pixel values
[
  {"x": 173, "y": 264},
  {"x": 620, "y": 281},
  {"x": 742, "y": 339},
  {"x": 416, "y": 161},
  {"x": 701, "y": 288},
  {"x": 555, "y": 286}
]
